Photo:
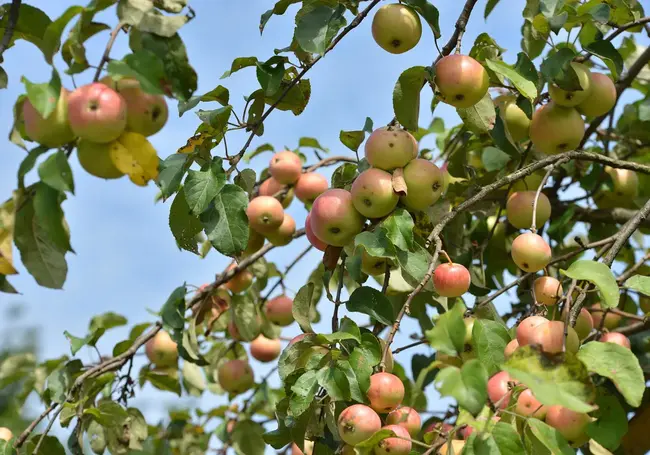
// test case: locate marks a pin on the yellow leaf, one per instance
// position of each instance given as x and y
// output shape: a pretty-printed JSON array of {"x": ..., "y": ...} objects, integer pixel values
[
  {"x": 137, "y": 158},
  {"x": 7, "y": 218},
  {"x": 194, "y": 141}
]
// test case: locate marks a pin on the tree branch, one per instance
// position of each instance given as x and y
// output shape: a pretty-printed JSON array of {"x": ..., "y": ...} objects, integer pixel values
[
  {"x": 14, "y": 14},
  {"x": 337, "y": 302},
  {"x": 107, "y": 52},
  {"x": 461, "y": 24}
]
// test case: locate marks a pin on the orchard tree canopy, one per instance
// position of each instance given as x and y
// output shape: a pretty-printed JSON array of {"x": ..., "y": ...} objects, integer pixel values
[{"x": 515, "y": 247}]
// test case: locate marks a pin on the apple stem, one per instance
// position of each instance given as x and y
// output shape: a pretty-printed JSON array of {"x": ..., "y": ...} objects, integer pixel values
[{"x": 444, "y": 253}]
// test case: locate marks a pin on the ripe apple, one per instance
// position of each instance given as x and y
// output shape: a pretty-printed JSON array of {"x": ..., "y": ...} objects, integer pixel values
[
  {"x": 498, "y": 389},
  {"x": 396, "y": 28},
  {"x": 96, "y": 159},
  {"x": 97, "y": 113},
  {"x": 461, "y": 80},
  {"x": 283, "y": 235},
  {"x": 511, "y": 347},
  {"x": 53, "y": 131},
  {"x": 334, "y": 219},
  {"x": 373, "y": 266},
  {"x": 235, "y": 376},
  {"x": 515, "y": 119},
  {"x": 315, "y": 241},
  {"x": 441, "y": 429},
  {"x": 285, "y": 167},
  {"x": 602, "y": 97},
  {"x": 373, "y": 195},
  {"x": 584, "y": 323},
  {"x": 390, "y": 148},
  {"x": 357, "y": 423},
  {"x": 6, "y": 434},
  {"x": 424, "y": 184},
  {"x": 265, "y": 214},
  {"x": 519, "y": 209},
  {"x": 270, "y": 187},
  {"x": 386, "y": 392},
  {"x": 570, "y": 424},
  {"x": 626, "y": 183},
  {"x": 550, "y": 337},
  {"x": 265, "y": 349},
  {"x": 548, "y": 290},
  {"x": 528, "y": 405},
  {"x": 573, "y": 98},
  {"x": 240, "y": 281},
  {"x": 530, "y": 252},
  {"x": 310, "y": 185},
  {"x": 405, "y": 417},
  {"x": 233, "y": 331},
  {"x": 255, "y": 242},
  {"x": 612, "y": 320},
  {"x": 278, "y": 310},
  {"x": 400, "y": 445},
  {"x": 527, "y": 327},
  {"x": 457, "y": 447},
  {"x": 451, "y": 280},
  {"x": 161, "y": 350},
  {"x": 616, "y": 338},
  {"x": 555, "y": 129}
]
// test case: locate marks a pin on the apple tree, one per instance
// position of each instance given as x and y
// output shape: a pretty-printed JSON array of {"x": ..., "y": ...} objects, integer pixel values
[{"x": 518, "y": 245}]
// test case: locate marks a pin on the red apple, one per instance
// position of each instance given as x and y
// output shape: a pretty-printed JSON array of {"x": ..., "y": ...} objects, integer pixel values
[
  {"x": 97, "y": 113},
  {"x": 271, "y": 187},
  {"x": 400, "y": 445},
  {"x": 527, "y": 327},
  {"x": 285, "y": 167},
  {"x": 548, "y": 290},
  {"x": 161, "y": 350},
  {"x": 570, "y": 424},
  {"x": 498, "y": 389},
  {"x": 461, "y": 80},
  {"x": 53, "y": 131},
  {"x": 451, "y": 280},
  {"x": 334, "y": 219},
  {"x": 616, "y": 338},
  {"x": 309, "y": 233},
  {"x": 283, "y": 235},
  {"x": 373, "y": 195},
  {"x": 310, "y": 185},
  {"x": 235, "y": 376},
  {"x": 278, "y": 310},
  {"x": 528, "y": 405},
  {"x": 265, "y": 214},
  {"x": 530, "y": 252},
  {"x": 390, "y": 148},
  {"x": 357, "y": 423},
  {"x": 407, "y": 418},
  {"x": 265, "y": 349},
  {"x": 386, "y": 392}
]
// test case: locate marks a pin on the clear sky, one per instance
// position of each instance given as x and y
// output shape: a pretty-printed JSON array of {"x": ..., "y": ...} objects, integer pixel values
[{"x": 126, "y": 258}]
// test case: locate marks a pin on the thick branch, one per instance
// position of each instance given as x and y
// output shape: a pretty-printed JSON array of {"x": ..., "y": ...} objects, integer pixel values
[
  {"x": 461, "y": 23},
  {"x": 14, "y": 13},
  {"x": 621, "y": 28},
  {"x": 615, "y": 215}
]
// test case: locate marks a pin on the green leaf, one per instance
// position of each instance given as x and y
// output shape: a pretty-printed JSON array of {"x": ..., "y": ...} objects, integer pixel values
[
  {"x": 351, "y": 374},
  {"x": 55, "y": 171},
  {"x": 494, "y": 159},
  {"x": 201, "y": 187},
  {"x": 225, "y": 221},
  {"x": 217, "y": 118},
  {"x": 49, "y": 215},
  {"x": 557, "y": 69},
  {"x": 49, "y": 446},
  {"x": 183, "y": 224},
  {"x": 373, "y": 303},
  {"x": 639, "y": 283},
  {"x": 143, "y": 65},
  {"x": 6, "y": 287},
  {"x": 108, "y": 414},
  {"x": 161, "y": 380},
  {"x": 563, "y": 382},
  {"x": 246, "y": 180},
  {"x": 4, "y": 78},
  {"x": 415, "y": 265},
  {"x": 507, "y": 439},
  {"x": 429, "y": 13},
  {"x": 301, "y": 308},
  {"x": 296, "y": 98},
  {"x": 107, "y": 321},
  {"x": 240, "y": 63},
  {"x": 352, "y": 139},
  {"x": 173, "y": 310},
  {"x": 375, "y": 243},
  {"x": 489, "y": 7},
  {"x": 344, "y": 175},
  {"x": 77, "y": 343},
  {"x": 27, "y": 164},
  {"x": 598, "y": 274},
  {"x": 525, "y": 86},
  {"x": 479, "y": 118},
  {"x": 550, "y": 437},
  {"x": 606, "y": 51},
  {"x": 406, "y": 96},
  {"x": 245, "y": 316},
  {"x": 145, "y": 18},
  {"x": 193, "y": 377},
  {"x": 170, "y": 173},
  {"x": 220, "y": 94},
  {"x": 31, "y": 24},
  {"x": 468, "y": 385},
  {"x": 335, "y": 382},
  {"x": 248, "y": 438},
  {"x": 611, "y": 421},
  {"x": 399, "y": 228},
  {"x": 52, "y": 35},
  {"x": 44, "y": 96},
  {"x": 448, "y": 333},
  {"x": 618, "y": 364},
  {"x": 490, "y": 340},
  {"x": 270, "y": 74},
  {"x": 316, "y": 28},
  {"x": 531, "y": 44}
]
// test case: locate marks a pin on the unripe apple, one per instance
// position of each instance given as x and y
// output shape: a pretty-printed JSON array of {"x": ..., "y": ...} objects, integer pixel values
[
  {"x": 265, "y": 349},
  {"x": 396, "y": 28},
  {"x": 97, "y": 113},
  {"x": 54, "y": 131},
  {"x": 644, "y": 303},
  {"x": 161, "y": 350},
  {"x": 527, "y": 327},
  {"x": 373, "y": 195},
  {"x": 309, "y": 233},
  {"x": 548, "y": 290},
  {"x": 530, "y": 252},
  {"x": 616, "y": 338},
  {"x": 511, "y": 347},
  {"x": 424, "y": 184},
  {"x": 448, "y": 360},
  {"x": 457, "y": 447},
  {"x": 285, "y": 167},
  {"x": 386, "y": 392},
  {"x": 461, "y": 80},
  {"x": 519, "y": 209},
  {"x": 270, "y": 187},
  {"x": 283, "y": 235},
  {"x": 373, "y": 266},
  {"x": 555, "y": 129},
  {"x": 233, "y": 331},
  {"x": 400, "y": 445},
  {"x": 602, "y": 98},
  {"x": 407, "y": 418},
  {"x": 278, "y": 310},
  {"x": 550, "y": 337},
  {"x": 96, "y": 158},
  {"x": 626, "y": 182},
  {"x": 528, "y": 405},
  {"x": 612, "y": 320},
  {"x": 529, "y": 183},
  {"x": 6, "y": 434},
  {"x": 584, "y": 323},
  {"x": 265, "y": 214},
  {"x": 334, "y": 219},
  {"x": 390, "y": 148},
  {"x": 357, "y": 423},
  {"x": 235, "y": 376},
  {"x": 451, "y": 280},
  {"x": 498, "y": 389},
  {"x": 310, "y": 185},
  {"x": 573, "y": 98},
  {"x": 515, "y": 119},
  {"x": 255, "y": 242},
  {"x": 570, "y": 424},
  {"x": 240, "y": 281}
]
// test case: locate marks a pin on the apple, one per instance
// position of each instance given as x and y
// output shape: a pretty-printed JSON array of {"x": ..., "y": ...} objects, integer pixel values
[
  {"x": 616, "y": 338},
  {"x": 448, "y": 360},
  {"x": 519, "y": 209},
  {"x": 255, "y": 242},
  {"x": 390, "y": 148},
  {"x": 530, "y": 252},
  {"x": 283, "y": 235},
  {"x": 357, "y": 423},
  {"x": 161, "y": 350},
  {"x": 240, "y": 281},
  {"x": 309, "y": 233},
  {"x": 529, "y": 406},
  {"x": 602, "y": 97},
  {"x": 271, "y": 187},
  {"x": 265, "y": 349},
  {"x": 511, "y": 347},
  {"x": 235, "y": 376},
  {"x": 53, "y": 131},
  {"x": 548, "y": 290},
  {"x": 555, "y": 129},
  {"x": 584, "y": 323},
  {"x": 527, "y": 327},
  {"x": 285, "y": 167},
  {"x": 424, "y": 184},
  {"x": 573, "y": 98},
  {"x": 514, "y": 117},
  {"x": 612, "y": 320},
  {"x": 405, "y": 417},
  {"x": 570, "y": 424},
  {"x": 373, "y": 195},
  {"x": 278, "y": 310},
  {"x": 386, "y": 392},
  {"x": 550, "y": 337},
  {"x": 451, "y": 280},
  {"x": 400, "y": 445},
  {"x": 644, "y": 303},
  {"x": 373, "y": 266},
  {"x": 310, "y": 185},
  {"x": 309, "y": 448},
  {"x": 461, "y": 80},
  {"x": 396, "y": 28},
  {"x": 626, "y": 183},
  {"x": 529, "y": 183},
  {"x": 6, "y": 434},
  {"x": 96, "y": 159},
  {"x": 498, "y": 389},
  {"x": 334, "y": 220},
  {"x": 233, "y": 331},
  {"x": 97, "y": 113},
  {"x": 265, "y": 214}
]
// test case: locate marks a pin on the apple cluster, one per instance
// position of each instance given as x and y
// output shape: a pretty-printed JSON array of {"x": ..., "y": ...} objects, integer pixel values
[{"x": 109, "y": 122}]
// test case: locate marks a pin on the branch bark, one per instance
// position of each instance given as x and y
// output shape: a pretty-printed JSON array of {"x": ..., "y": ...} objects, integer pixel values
[{"x": 14, "y": 14}]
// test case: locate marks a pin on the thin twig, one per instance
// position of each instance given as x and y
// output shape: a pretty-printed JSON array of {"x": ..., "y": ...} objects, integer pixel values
[
  {"x": 107, "y": 52},
  {"x": 459, "y": 30},
  {"x": 533, "y": 225},
  {"x": 629, "y": 272},
  {"x": 337, "y": 302},
  {"x": 14, "y": 14}
]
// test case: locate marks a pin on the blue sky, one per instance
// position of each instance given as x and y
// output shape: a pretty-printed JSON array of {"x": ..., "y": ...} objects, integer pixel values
[{"x": 127, "y": 260}]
